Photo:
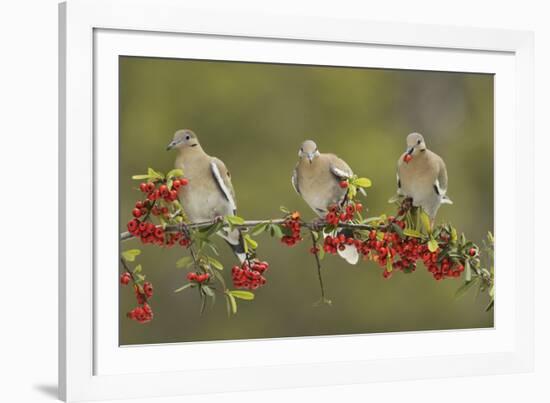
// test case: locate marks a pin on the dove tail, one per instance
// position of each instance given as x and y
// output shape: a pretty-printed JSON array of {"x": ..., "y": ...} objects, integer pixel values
[
  {"x": 349, "y": 254},
  {"x": 235, "y": 241}
]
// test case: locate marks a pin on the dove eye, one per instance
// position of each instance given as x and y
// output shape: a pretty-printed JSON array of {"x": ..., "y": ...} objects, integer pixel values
[
  {"x": 418, "y": 142},
  {"x": 187, "y": 137}
]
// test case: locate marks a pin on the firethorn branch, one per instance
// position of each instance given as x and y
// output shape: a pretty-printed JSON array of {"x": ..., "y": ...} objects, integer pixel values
[
  {"x": 313, "y": 225},
  {"x": 394, "y": 243}
]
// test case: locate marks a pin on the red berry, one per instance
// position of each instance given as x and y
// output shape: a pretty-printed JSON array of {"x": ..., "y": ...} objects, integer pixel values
[
  {"x": 150, "y": 186},
  {"x": 133, "y": 225},
  {"x": 358, "y": 207},
  {"x": 472, "y": 251},
  {"x": 136, "y": 212},
  {"x": 143, "y": 187},
  {"x": 125, "y": 278},
  {"x": 148, "y": 289},
  {"x": 183, "y": 182},
  {"x": 344, "y": 184},
  {"x": 191, "y": 276},
  {"x": 407, "y": 158}
]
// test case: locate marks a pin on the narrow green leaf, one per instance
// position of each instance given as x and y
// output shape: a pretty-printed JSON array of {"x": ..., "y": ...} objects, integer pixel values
[
  {"x": 130, "y": 254},
  {"x": 432, "y": 245},
  {"x": 467, "y": 271},
  {"x": 246, "y": 295},
  {"x": 184, "y": 262},
  {"x": 207, "y": 290},
  {"x": 259, "y": 228},
  {"x": 464, "y": 288},
  {"x": 174, "y": 173},
  {"x": 362, "y": 182},
  {"x": 454, "y": 235},
  {"x": 425, "y": 221},
  {"x": 412, "y": 233},
  {"x": 215, "y": 263},
  {"x": 284, "y": 210},
  {"x": 233, "y": 303},
  {"x": 490, "y": 306},
  {"x": 154, "y": 174},
  {"x": 234, "y": 220},
  {"x": 186, "y": 286},
  {"x": 137, "y": 269},
  {"x": 389, "y": 265},
  {"x": 277, "y": 231},
  {"x": 252, "y": 243},
  {"x": 140, "y": 177}
]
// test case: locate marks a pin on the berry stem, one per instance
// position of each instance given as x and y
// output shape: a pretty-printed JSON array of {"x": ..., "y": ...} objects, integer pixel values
[{"x": 318, "y": 261}]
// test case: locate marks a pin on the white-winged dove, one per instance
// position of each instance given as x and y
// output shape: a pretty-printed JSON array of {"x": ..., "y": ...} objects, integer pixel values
[
  {"x": 422, "y": 176},
  {"x": 316, "y": 178},
  {"x": 209, "y": 194}
]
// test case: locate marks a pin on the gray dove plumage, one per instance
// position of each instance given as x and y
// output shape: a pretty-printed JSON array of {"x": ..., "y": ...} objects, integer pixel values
[
  {"x": 209, "y": 194},
  {"x": 316, "y": 178},
  {"x": 422, "y": 176}
]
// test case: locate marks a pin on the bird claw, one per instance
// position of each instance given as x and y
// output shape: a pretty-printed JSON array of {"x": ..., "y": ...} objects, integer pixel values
[{"x": 318, "y": 224}]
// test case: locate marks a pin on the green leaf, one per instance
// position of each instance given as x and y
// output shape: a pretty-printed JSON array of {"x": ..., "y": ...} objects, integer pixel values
[
  {"x": 425, "y": 221},
  {"x": 467, "y": 271},
  {"x": 432, "y": 245},
  {"x": 490, "y": 306},
  {"x": 130, "y": 254},
  {"x": 214, "y": 263},
  {"x": 284, "y": 210},
  {"x": 396, "y": 228},
  {"x": 184, "y": 262},
  {"x": 412, "y": 233},
  {"x": 154, "y": 174},
  {"x": 233, "y": 303},
  {"x": 276, "y": 231},
  {"x": 389, "y": 265},
  {"x": 362, "y": 182},
  {"x": 250, "y": 242},
  {"x": 259, "y": 228},
  {"x": 207, "y": 290},
  {"x": 234, "y": 220},
  {"x": 137, "y": 269},
  {"x": 186, "y": 286},
  {"x": 464, "y": 288},
  {"x": 140, "y": 177},
  {"x": 174, "y": 173},
  {"x": 246, "y": 295},
  {"x": 352, "y": 191},
  {"x": 454, "y": 235}
]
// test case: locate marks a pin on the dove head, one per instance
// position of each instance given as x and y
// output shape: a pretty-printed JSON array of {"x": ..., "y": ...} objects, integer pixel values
[
  {"x": 308, "y": 150},
  {"x": 415, "y": 144},
  {"x": 182, "y": 139}
]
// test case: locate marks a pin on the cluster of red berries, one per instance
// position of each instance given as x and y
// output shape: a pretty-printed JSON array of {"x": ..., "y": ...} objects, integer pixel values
[
  {"x": 336, "y": 215},
  {"x": 143, "y": 312},
  {"x": 198, "y": 277},
  {"x": 294, "y": 226},
  {"x": 163, "y": 191},
  {"x": 149, "y": 233},
  {"x": 333, "y": 244},
  {"x": 390, "y": 246},
  {"x": 249, "y": 275}
]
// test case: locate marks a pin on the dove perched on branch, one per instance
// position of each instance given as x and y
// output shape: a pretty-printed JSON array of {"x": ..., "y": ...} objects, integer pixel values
[
  {"x": 209, "y": 194},
  {"x": 422, "y": 176},
  {"x": 317, "y": 179}
]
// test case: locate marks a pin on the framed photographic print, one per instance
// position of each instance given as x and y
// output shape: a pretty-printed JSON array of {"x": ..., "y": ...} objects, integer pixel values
[{"x": 311, "y": 201}]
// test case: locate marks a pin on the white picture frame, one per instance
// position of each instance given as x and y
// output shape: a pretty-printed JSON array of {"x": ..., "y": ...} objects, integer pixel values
[{"x": 92, "y": 35}]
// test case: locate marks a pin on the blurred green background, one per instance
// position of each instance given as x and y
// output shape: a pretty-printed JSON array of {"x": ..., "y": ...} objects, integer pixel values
[{"x": 254, "y": 117}]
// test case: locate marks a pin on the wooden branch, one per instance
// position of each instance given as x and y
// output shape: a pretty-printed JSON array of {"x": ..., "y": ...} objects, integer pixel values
[{"x": 315, "y": 226}]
